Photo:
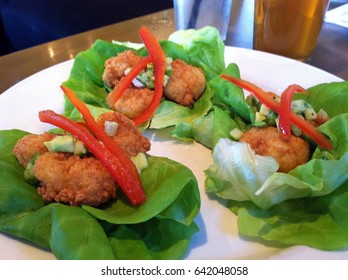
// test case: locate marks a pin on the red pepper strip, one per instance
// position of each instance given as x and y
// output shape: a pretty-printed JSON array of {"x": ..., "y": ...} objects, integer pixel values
[
  {"x": 111, "y": 163},
  {"x": 159, "y": 63},
  {"x": 127, "y": 80},
  {"x": 285, "y": 108},
  {"x": 266, "y": 99},
  {"x": 131, "y": 183}
]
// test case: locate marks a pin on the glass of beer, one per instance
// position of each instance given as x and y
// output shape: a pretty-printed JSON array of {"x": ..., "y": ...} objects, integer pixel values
[{"x": 288, "y": 27}]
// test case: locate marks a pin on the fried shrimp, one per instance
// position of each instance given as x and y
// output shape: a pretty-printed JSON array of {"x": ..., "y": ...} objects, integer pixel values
[
  {"x": 115, "y": 67},
  {"x": 69, "y": 179},
  {"x": 64, "y": 177},
  {"x": 288, "y": 152},
  {"x": 127, "y": 136},
  {"x": 29, "y": 145},
  {"x": 75, "y": 180},
  {"x": 186, "y": 84},
  {"x": 133, "y": 101}
]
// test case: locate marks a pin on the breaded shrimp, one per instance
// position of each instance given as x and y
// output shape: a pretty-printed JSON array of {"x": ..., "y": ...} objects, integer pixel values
[
  {"x": 288, "y": 152},
  {"x": 29, "y": 145},
  {"x": 186, "y": 84},
  {"x": 75, "y": 180},
  {"x": 115, "y": 67},
  {"x": 133, "y": 101},
  {"x": 69, "y": 179},
  {"x": 127, "y": 136}
]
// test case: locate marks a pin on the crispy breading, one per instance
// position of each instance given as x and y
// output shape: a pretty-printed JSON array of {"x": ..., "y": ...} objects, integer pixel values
[
  {"x": 116, "y": 66},
  {"x": 69, "y": 179},
  {"x": 75, "y": 180},
  {"x": 288, "y": 152},
  {"x": 133, "y": 101},
  {"x": 29, "y": 145},
  {"x": 127, "y": 136},
  {"x": 186, "y": 84}
]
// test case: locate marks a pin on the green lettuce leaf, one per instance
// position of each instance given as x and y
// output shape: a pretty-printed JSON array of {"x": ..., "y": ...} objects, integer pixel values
[
  {"x": 163, "y": 225},
  {"x": 204, "y": 47},
  {"x": 208, "y": 129},
  {"x": 227, "y": 100},
  {"x": 140, "y": 241},
  {"x": 169, "y": 113},
  {"x": 308, "y": 205},
  {"x": 16, "y": 194},
  {"x": 162, "y": 192},
  {"x": 318, "y": 222},
  {"x": 86, "y": 74},
  {"x": 231, "y": 96},
  {"x": 332, "y": 97},
  {"x": 239, "y": 174}
]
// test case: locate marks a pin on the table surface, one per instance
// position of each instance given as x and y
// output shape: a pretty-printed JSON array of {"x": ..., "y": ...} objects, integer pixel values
[{"x": 330, "y": 54}]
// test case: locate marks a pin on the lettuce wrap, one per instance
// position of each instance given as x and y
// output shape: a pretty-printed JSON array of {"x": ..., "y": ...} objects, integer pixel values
[
  {"x": 255, "y": 191},
  {"x": 306, "y": 206},
  {"x": 202, "y": 48},
  {"x": 161, "y": 228}
]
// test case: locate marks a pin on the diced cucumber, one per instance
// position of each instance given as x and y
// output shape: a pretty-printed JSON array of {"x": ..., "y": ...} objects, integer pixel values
[
  {"x": 140, "y": 162},
  {"x": 236, "y": 134},
  {"x": 63, "y": 143},
  {"x": 260, "y": 120},
  {"x": 79, "y": 148},
  {"x": 66, "y": 144},
  {"x": 298, "y": 105},
  {"x": 29, "y": 170},
  {"x": 310, "y": 114},
  {"x": 264, "y": 110}
]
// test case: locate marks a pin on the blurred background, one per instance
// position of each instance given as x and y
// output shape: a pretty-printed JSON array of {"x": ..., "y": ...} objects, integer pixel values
[{"x": 27, "y": 23}]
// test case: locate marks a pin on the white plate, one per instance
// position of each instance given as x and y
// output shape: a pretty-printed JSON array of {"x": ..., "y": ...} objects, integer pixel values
[{"x": 218, "y": 237}]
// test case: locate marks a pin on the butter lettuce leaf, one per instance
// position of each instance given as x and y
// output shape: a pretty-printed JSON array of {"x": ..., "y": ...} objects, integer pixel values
[
  {"x": 239, "y": 174},
  {"x": 204, "y": 47},
  {"x": 332, "y": 97},
  {"x": 229, "y": 110},
  {"x": 140, "y": 241},
  {"x": 163, "y": 226},
  {"x": 308, "y": 205},
  {"x": 164, "y": 182},
  {"x": 86, "y": 75},
  {"x": 318, "y": 222}
]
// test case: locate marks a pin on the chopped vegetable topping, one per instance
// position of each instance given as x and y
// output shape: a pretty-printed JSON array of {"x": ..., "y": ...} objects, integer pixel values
[
  {"x": 66, "y": 144},
  {"x": 129, "y": 179},
  {"x": 285, "y": 108},
  {"x": 267, "y": 99},
  {"x": 146, "y": 78},
  {"x": 127, "y": 80}
]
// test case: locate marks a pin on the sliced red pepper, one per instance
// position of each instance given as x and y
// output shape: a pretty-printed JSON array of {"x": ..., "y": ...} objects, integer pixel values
[
  {"x": 267, "y": 99},
  {"x": 262, "y": 96},
  {"x": 127, "y": 80},
  {"x": 116, "y": 167},
  {"x": 285, "y": 108},
  {"x": 159, "y": 63},
  {"x": 133, "y": 183}
]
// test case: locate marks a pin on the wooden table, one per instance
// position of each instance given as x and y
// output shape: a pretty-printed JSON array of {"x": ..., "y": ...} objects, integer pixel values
[{"x": 331, "y": 53}]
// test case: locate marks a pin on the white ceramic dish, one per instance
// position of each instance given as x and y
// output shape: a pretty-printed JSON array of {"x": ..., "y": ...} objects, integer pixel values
[{"x": 218, "y": 237}]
